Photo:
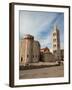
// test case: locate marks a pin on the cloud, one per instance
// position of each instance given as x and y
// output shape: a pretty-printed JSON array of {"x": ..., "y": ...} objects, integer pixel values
[
  {"x": 40, "y": 25},
  {"x": 33, "y": 22},
  {"x": 45, "y": 42}
]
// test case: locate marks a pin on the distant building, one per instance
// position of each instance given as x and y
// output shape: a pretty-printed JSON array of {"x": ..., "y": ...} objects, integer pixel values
[
  {"x": 62, "y": 54},
  {"x": 51, "y": 50},
  {"x": 56, "y": 42},
  {"x": 43, "y": 50},
  {"x": 29, "y": 50}
]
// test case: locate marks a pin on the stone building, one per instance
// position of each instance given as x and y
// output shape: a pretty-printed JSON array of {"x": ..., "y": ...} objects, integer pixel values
[
  {"x": 46, "y": 55},
  {"x": 56, "y": 42},
  {"x": 29, "y": 50},
  {"x": 36, "y": 51},
  {"x": 62, "y": 54}
]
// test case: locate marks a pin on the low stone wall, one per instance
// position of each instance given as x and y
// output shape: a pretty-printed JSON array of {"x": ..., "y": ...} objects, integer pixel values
[
  {"x": 48, "y": 57},
  {"x": 38, "y": 65}
]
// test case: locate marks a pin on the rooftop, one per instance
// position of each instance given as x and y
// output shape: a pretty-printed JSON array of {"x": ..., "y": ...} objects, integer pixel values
[{"x": 28, "y": 36}]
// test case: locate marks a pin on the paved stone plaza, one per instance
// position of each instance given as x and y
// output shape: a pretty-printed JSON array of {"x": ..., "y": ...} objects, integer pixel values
[{"x": 55, "y": 71}]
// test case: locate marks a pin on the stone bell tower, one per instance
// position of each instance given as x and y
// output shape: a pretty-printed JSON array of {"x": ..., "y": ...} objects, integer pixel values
[{"x": 56, "y": 42}]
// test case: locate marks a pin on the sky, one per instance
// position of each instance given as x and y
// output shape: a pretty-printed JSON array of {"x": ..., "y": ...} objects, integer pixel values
[{"x": 40, "y": 24}]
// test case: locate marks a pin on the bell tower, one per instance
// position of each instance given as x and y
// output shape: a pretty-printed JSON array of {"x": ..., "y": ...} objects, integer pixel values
[{"x": 56, "y": 42}]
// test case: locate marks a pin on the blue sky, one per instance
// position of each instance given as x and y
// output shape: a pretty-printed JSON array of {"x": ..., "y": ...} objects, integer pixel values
[{"x": 40, "y": 24}]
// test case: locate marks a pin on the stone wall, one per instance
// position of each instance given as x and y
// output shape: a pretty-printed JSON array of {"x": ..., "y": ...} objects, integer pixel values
[{"x": 48, "y": 57}]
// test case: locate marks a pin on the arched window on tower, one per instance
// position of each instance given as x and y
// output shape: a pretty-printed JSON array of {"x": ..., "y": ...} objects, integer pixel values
[
  {"x": 21, "y": 59},
  {"x": 54, "y": 34},
  {"x": 27, "y": 55},
  {"x": 33, "y": 56}
]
